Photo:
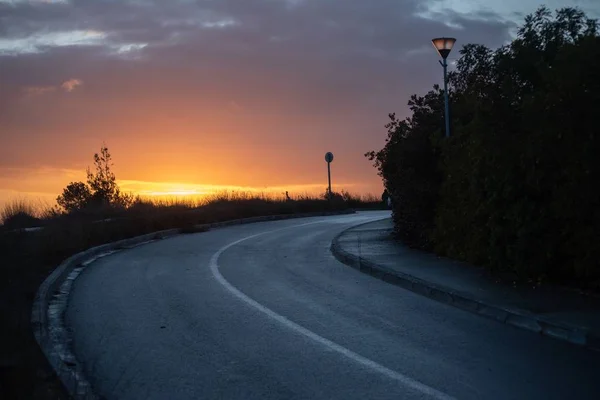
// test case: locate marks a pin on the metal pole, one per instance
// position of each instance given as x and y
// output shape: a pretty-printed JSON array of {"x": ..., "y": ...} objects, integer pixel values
[
  {"x": 447, "y": 111},
  {"x": 329, "y": 178}
]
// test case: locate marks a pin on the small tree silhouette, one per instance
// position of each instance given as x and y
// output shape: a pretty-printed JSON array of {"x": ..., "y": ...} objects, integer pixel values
[
  {"x": 100, "y": 190},
  {"x": 76, "y": 196},
  {"x": 102, "y": 181}
]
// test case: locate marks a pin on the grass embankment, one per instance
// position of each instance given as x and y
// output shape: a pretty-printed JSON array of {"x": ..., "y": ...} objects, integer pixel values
[{"x": 28, "y": 257}]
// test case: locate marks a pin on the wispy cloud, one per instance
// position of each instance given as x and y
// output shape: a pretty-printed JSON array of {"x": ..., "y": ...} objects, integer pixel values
[
  {"x": 223, "y": 23},
  {"x": 14, "y": 2},
  {"x": 41, "y": 41},
  {"x": 30, "y": 91},
  {"x": 67, "y": 86}
]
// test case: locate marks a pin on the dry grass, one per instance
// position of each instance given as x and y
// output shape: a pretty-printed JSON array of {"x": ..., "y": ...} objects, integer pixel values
[
  {"x": 20, "y": 213},
  {"x": 223, "y": 196},
  {"x": 17, "y": 207},
  {"x": 24, "y": 213},
  {"x": 23, "y": 209}
]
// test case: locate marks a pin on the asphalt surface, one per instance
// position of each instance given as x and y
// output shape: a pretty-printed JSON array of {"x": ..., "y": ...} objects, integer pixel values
[{"x": 264, "y": 311}]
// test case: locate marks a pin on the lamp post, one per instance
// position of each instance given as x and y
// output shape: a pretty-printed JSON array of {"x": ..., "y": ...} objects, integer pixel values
[
  {"x": 329, "y": 159},
  {"x": 444, "y": 45}
]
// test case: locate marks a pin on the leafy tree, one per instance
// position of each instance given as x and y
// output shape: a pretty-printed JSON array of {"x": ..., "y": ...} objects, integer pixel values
[{"x": 75, "y": 197}]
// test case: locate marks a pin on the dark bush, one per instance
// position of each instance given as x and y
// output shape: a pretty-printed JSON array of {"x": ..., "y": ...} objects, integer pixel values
[
  {"x": 515, "y": 187},
  {"x": 21, "y": 220}
]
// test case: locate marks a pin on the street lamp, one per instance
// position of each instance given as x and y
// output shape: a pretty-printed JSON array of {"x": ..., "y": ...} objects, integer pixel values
[{"x": 444, "y": 45}]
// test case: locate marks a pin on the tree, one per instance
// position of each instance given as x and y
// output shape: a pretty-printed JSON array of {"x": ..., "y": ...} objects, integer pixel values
[
  {"x": 75, "y": 197},
  {"x": 100, "y": 191},
  {"x": 513, "y": 188},
  {"x": 102, "y": 181}
]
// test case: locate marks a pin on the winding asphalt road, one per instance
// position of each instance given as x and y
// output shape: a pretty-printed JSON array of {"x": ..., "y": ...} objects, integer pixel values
[{"x": 264, "y": 311}]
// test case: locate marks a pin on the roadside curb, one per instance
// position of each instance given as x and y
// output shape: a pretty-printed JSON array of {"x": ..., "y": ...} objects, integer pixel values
[
  {"x": 47, "y": 314},
  {"x": 511, "y": 316}
]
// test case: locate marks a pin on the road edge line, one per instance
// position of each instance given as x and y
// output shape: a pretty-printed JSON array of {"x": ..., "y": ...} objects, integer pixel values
[{"x": 299, "y": 329}]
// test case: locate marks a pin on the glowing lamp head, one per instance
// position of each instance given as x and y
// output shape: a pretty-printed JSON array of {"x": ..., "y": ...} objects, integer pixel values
[{"x": 443, "y": 45}]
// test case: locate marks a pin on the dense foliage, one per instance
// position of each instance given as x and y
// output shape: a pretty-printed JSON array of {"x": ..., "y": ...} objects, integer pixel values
[{"x": 514, "y": 188}]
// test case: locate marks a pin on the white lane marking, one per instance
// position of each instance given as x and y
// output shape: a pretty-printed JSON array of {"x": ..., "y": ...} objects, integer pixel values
[{"x": 403, "y": 379}]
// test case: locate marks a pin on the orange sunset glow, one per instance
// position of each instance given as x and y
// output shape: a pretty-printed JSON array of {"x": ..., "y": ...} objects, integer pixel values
[{"x": 194, "y": 98}]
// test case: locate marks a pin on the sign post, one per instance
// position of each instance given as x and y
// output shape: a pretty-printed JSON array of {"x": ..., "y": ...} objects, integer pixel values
[{"x": 329, "y": 159}]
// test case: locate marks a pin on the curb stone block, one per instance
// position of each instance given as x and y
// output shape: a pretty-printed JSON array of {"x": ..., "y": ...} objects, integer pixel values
[
  {"x": 465, "y": 304},
  {"x": 524, "y": 322},
  {"x": 441, "y": 296},
  {"x": 576, "y": 336},
  {"x": 555, "y": 332},
  {"x": 420, "y": 289},
  {"x": 493, "y": 312}
]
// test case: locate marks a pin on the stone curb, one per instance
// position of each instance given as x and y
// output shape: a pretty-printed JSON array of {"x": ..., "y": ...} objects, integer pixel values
[
  {"x": 511, "y": 316},
  {"x": 49, "y": 305}
]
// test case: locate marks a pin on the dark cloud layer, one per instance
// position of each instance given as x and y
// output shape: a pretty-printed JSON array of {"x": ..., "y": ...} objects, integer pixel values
[{"x": 269, "y": 81}]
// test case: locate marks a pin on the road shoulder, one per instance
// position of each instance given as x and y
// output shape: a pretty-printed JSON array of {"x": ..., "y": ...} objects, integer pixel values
[{"x": 563, "y": 315}]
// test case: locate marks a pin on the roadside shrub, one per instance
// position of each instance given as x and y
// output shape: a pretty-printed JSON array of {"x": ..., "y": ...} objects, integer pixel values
[
  {"x": 515, "y": 186},
  {"x": 408, "y": 165}
]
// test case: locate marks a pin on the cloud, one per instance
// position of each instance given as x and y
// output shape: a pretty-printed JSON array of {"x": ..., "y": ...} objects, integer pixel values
[
  {"x": 71, "y": 84},
  {"x": 223, "y": 23},
  {"x": 43, "y": 41},
  {"x": 30, "y": 91},
  {"x": 67, "y": 86},
  {"x": 13, "y": 2}
]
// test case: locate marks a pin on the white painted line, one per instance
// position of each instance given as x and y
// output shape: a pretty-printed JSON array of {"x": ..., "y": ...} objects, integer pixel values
[{"x": 403, "y": 379}]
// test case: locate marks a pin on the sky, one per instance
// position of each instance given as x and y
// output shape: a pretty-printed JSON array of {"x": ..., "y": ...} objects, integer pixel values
[{"x": 193, "y": 96}]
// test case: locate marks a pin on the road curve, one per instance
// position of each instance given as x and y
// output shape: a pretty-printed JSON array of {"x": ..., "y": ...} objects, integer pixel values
[{"x": 264, "y": 311}]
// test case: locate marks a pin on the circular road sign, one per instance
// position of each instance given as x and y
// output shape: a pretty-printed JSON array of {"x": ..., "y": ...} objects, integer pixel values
[{"x": 329, "y": 156}]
